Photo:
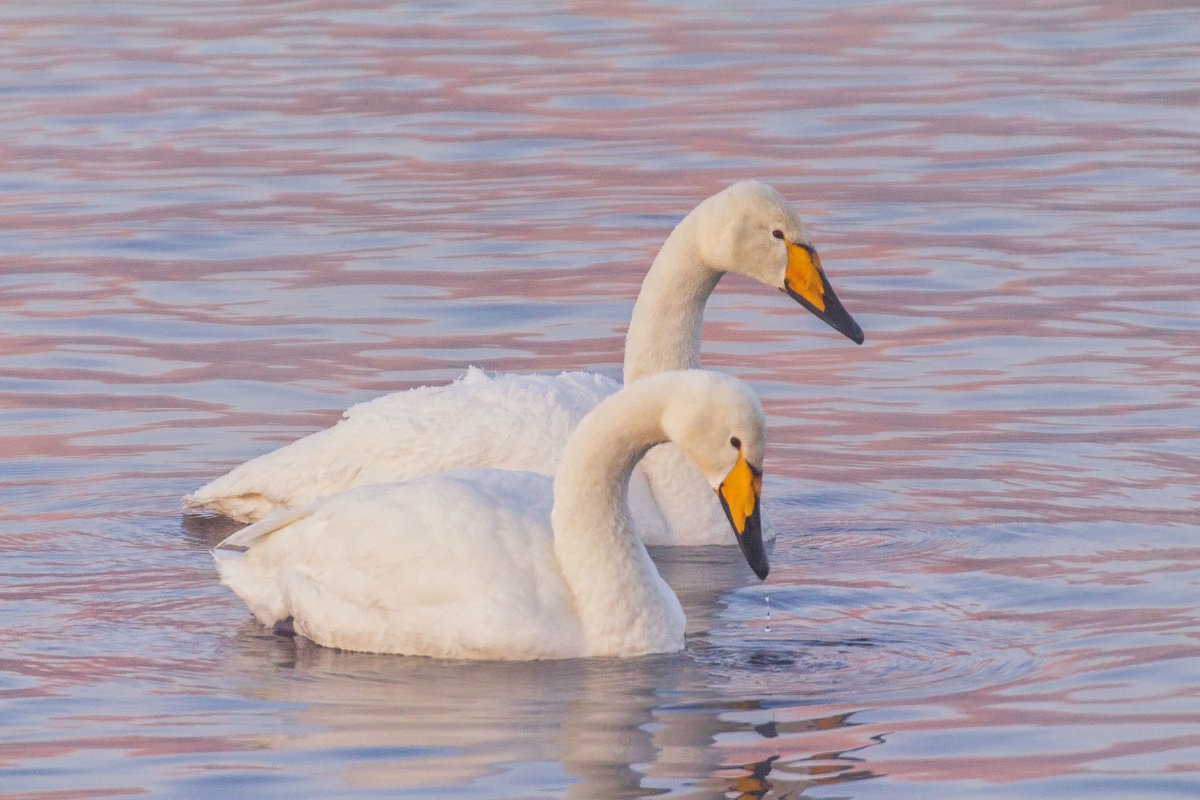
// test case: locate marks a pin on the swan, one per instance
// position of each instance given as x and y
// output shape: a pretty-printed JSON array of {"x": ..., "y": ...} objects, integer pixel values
[
  {"x": 515, "y": 421},
  {"x": 500, "y": 564}
]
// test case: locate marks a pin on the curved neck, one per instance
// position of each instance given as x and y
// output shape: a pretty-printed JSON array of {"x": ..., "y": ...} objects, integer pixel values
[
  {"x": 664, "y": 331},
  {"x": 619, "y": 595}
]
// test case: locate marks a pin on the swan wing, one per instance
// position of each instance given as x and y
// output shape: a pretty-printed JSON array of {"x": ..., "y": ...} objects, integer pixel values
[
  {"x": 507, "y": 421},
  {"x": 456, "y": 565}
]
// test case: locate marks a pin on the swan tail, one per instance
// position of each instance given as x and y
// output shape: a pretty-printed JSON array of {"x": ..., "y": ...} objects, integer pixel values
[
  {"x": 252, "y": 577},
  {"x": 252, "y": 582},
  {"x": 265, "y": 527}
]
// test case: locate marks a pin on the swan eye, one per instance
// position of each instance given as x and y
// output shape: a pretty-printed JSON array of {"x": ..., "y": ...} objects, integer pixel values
[
  {"x": 778, "y": 234},
  {"x": 736, "y": 442}
]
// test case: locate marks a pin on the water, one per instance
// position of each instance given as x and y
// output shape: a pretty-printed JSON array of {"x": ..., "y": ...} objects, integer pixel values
[{"x": 224, "y": 223}]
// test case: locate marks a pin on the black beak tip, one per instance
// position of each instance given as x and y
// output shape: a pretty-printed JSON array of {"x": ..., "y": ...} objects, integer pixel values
[
  {"x": 838, "y": 318},
  {"x": 751, "y": 543},
  {"x": 852, "y": 331},
  {"x": 834, "y": 315}
]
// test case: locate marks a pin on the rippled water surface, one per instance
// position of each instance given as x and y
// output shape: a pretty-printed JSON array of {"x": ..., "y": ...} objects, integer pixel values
[{"x": 224, "y": 222}]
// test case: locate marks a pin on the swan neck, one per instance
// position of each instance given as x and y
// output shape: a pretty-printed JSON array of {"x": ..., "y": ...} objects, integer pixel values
[
  {"x": 665, "y": 329},
  {"x": 621, "y": 600}
]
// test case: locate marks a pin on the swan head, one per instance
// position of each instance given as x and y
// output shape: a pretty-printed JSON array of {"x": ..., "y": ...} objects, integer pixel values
[
  {"x": 719, "y": 424},
  {"x": 749, "y": 228}
]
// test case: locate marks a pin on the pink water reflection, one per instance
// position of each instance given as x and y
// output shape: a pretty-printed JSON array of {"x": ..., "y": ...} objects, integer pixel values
[{"x": 225, "y": 225}]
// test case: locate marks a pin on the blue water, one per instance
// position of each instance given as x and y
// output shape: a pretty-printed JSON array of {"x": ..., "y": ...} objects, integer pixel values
[{"x": 226, "y": 222}]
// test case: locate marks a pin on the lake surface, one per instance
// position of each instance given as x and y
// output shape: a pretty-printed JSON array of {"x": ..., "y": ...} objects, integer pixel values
[{"x": 224, "y": 222}]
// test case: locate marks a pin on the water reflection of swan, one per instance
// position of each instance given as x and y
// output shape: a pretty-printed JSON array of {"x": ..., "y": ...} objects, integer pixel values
[
  {"x": 505, "y": 564},
  {"x": 585, "y": 729},
  {"x": 522, "y": 421}
]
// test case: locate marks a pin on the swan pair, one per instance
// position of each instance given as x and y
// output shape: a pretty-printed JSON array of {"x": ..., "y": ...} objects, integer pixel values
[
  {"x": 504, "y": 564},
  {"x": 523, "y": 421},
  {"x": 391, "y": 567}
]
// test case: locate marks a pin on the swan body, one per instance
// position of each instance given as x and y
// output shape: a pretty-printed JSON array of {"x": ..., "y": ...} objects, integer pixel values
[
  {"x": 747, "y": 228},
  {"x": 501, "y": 564}
]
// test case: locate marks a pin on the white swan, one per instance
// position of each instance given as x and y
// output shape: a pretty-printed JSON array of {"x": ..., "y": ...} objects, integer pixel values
[
  {"x": 522, "y": 421},
  {"x": 495, "y": 564}
]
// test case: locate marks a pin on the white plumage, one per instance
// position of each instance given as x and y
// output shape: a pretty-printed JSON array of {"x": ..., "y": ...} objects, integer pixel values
[
  {"x": 523, "y": 421},
  {"x": 487, "y": 563}
]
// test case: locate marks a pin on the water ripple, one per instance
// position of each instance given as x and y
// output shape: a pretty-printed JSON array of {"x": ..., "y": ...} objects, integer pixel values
[{"x": 225, "y": 223}]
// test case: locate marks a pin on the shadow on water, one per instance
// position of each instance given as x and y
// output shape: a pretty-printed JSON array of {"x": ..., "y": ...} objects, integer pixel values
[{"x": 205, "y": 531}]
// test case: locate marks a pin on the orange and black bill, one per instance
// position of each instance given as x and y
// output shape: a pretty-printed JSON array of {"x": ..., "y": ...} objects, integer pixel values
[
  {"x": 805, "y": 281},
  {"x": 739, "y": 494}
]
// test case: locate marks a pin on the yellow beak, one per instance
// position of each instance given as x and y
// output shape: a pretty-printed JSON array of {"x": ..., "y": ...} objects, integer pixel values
[
  {"x": 739, "y": 495},
  {"x": 805, "y": 281}
]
